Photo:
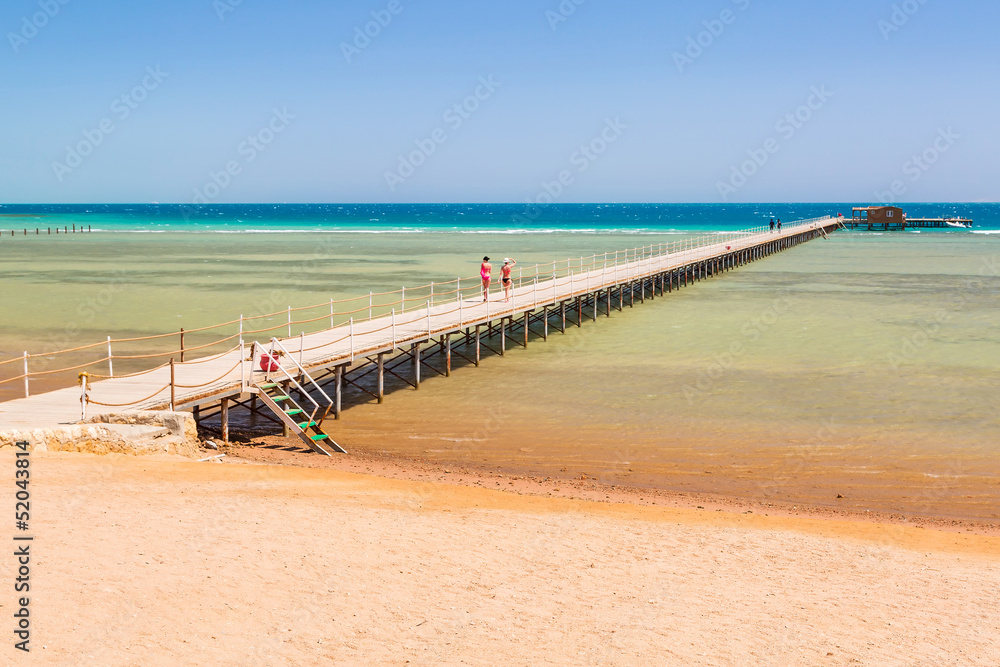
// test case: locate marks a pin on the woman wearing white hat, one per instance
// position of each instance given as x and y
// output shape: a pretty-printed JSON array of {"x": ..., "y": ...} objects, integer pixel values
[{"x": 508, "y": 264}]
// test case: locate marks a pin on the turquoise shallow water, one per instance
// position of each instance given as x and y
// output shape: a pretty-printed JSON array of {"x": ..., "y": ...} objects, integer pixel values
[{"x": 869, "y": 362}]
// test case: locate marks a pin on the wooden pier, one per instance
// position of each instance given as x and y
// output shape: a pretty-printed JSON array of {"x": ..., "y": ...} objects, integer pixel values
[
  {"x": 938, "y": 223},
  {"x": 457, "y": 325},
  {"x": 892, "y": 218}
]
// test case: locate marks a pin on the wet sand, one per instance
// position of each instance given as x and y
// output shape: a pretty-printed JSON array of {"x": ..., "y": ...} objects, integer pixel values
[
  {"x": 143, "y": 561},
  {"x": 953, "y": 509}
]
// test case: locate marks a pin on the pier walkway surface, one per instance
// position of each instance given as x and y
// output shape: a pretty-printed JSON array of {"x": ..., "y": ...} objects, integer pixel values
[{"x": 584, "y": 289}]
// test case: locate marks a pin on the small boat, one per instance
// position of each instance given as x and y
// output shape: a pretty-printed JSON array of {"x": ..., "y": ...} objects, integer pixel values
[{"x": 952, "y": 223}]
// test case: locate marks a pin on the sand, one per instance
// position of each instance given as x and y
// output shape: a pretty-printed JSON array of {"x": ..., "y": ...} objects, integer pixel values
[{"x": 142, "y": 561}]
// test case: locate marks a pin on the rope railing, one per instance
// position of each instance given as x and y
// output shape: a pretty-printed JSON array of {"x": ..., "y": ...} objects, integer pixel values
[
  {"x": 166, "y": 335},
  {"x": 130, "y": 403},
  {"x": 136, "y": 374},
  {"x": 202, "y": 384},
  {"x": 355, "y": 311}
]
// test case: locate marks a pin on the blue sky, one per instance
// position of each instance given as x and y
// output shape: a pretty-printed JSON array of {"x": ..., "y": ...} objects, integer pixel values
[{"x": 259, "y": 101}]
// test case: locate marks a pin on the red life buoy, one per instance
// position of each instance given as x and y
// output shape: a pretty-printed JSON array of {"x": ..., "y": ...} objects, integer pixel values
[{"x": 268, "y": 363}]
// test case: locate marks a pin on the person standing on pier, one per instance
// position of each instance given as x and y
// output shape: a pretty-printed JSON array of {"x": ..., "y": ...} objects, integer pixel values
[
  {"x": 772, "y": 224},
  {"x": 485, "y": 269},
  {"x": 508, "y": 264},
  {"x": 779, "y": 225}
]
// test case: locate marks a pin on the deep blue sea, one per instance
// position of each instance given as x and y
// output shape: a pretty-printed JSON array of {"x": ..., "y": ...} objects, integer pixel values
[{"x": 511, "y": 218}]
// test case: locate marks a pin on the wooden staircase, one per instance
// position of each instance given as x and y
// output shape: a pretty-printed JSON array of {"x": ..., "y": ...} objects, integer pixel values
[{"x": 273, "y": 387}]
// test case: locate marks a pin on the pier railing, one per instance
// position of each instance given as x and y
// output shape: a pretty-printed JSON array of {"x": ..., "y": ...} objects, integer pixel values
[{"x": 407, "y": 309}]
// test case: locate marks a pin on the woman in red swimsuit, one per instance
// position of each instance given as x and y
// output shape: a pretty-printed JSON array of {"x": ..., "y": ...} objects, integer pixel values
[
  {"x": 508, "y": 264},
  {"x": 484, "y": 272}
]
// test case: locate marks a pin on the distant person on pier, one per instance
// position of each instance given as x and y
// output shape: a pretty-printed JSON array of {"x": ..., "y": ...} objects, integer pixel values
[
  {"x": 485, "y": 269},
  {"x": 508, "y": 264},
  {"x": 779, "y": 225},
  {"x": 772, "y": 224}
]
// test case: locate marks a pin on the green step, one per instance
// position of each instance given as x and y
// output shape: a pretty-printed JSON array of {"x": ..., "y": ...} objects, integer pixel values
[
  {"x": 278, "y": 399},
  {"x": 269, "y": 385},
  {"x": 321, "y": 436},
  {"x": 305, "y": 425},
  {"x": 294, "y": 411}
]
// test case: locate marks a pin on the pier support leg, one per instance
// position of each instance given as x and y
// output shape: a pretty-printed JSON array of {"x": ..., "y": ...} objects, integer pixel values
[
  {"x": 477, "y": 346},
  {"x": 526, "y": 314},
  {"x": 381, "y": 377},
  {"x": 284, "y": 427},
  {"x": 416, "y": 364},
  {"x": 579, "y": 311},
  {"x": 338, "y": 389},
  {"x": 597, "y": 298},
  {"x": 545, "y": 319},
  {"x": 562, "y": 309},
  {"x": 447, "y": 355},
  {"x": 503, "y": 337},
  {"x": 608, "y": 295},
  {"x": 224, "y": 420}
]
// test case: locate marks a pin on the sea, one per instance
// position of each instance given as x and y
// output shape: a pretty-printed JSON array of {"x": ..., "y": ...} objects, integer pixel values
[{"x": 859, "y": 372}]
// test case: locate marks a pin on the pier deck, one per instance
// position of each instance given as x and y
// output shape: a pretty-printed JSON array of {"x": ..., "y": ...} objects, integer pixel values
[{"x": 229, "y": 376}]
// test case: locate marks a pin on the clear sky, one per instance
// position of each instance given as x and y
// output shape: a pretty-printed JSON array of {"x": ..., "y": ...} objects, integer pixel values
[{"x": 266, "y": 101}]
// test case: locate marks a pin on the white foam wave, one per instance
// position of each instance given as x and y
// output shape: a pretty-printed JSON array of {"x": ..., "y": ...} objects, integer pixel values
[{"x": 617, "y": 231}]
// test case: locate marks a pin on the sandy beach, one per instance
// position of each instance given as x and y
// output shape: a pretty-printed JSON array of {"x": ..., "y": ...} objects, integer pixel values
[
  {"x": 500, "y": 333},
  {"x": 143, "y": 561}
]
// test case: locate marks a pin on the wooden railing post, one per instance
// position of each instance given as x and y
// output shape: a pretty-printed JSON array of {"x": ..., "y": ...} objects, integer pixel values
[
  {"x": 83, "y": 396},
  {"x": 182, "y": 346},
  {"x": 173, "y": 390}
]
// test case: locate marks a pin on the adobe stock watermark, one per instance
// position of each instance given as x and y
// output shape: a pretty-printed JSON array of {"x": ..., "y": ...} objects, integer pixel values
[
  {"x": 562, "y": 13},
  {"x": 786, "y": 127},
  {"x": 223, "y": 7},
  {"x": 900, "y": 16},
  {"x": 798, "y": 459},
  {"x": 910, "y": 347},
  {"x": 919, "y": 164},
  {"x": 248, "y": 150},
  {"x": 697, "y": 45},
  {"x": 121, "y": 108},
  {"x": 751, "y": 331},
  {"x": 581, "y": 159},
  {"x": 363, "y": 35},
  {"x": 454, "y": 117},
  {"x": 87, "y": 312},
  {"x": 31, "y": 25}
]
